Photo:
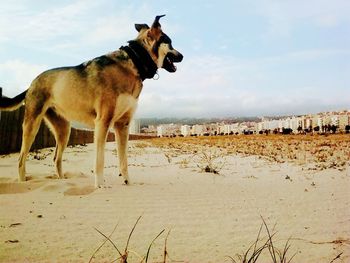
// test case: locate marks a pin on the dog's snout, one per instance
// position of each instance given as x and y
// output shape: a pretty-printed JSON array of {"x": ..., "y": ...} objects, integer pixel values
[{"x": 180, "y": 57}]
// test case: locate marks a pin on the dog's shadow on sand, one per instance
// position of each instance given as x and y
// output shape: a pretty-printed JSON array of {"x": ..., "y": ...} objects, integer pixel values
[{"x": 74, "y": 184}]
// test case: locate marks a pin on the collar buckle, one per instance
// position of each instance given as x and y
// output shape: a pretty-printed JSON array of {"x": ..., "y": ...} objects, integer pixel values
[{"x": 156, "y": 76}]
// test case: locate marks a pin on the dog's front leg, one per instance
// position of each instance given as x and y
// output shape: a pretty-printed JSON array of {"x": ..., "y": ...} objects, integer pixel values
[
  {"x": 122, "y": 136},
  {"x": 101, "y": 129}
]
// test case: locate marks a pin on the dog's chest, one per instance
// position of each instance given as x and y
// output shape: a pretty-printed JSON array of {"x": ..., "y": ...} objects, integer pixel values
[{"x": 125, "y": 104}]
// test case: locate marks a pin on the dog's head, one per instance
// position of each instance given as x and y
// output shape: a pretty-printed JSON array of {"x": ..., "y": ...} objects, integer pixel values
[{"x": 158, "y": 45}]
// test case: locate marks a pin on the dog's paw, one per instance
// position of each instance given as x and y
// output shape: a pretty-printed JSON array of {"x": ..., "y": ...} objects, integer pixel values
[
  {"x": 98, "y": 186},
  {"x": 99, "y": 183},
  {"x": 126, "y": 180}
]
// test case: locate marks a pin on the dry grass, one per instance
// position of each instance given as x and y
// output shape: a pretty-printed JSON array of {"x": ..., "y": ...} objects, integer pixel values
[
  {"x": 123, "y": 256},
  {"x": 264, "y": 244},
  {"x": 316, "y": 152},
  {"x": 211, "y": 160}
]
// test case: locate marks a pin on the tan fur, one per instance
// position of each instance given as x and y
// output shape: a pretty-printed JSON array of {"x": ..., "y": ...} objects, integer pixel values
[
  {"x": 106, "y": 98},
  {"x": 101, "y": 93}
]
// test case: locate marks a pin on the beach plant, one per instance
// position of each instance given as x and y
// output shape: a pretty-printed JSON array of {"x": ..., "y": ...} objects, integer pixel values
[
  {"x": 123, "y": 256},
  {"x": 262, "y": 244},
  {"x": 211, "y": 159}
]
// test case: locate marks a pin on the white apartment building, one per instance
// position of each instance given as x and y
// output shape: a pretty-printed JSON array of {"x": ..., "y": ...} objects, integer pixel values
[
  {"x": 168, "y": 130},
  {"x": 227, "y": 128},
  {"x": 134, "y": 126},
  {"x": 288, "y": 123},
  {"x": 161, "y": 131},
  {"x": 220, "y": 128},
  {"x": 339, "y": 119},
  {"x": 295, "y": 123},
  {"x": 235, "y": 128},
  {"x": 211, "y": 128},
  {"x": 243, "y": 127},
  {"x": 198, "y": 129},
  {"x": 259, "y": 126},
  {"x": 272, "y": 125},
  {"x": 185, "y": 130},
  {"x": 308, "y": 123},
  {"x": 344, "y": 120},
  {"x": 335, "y": 120}
]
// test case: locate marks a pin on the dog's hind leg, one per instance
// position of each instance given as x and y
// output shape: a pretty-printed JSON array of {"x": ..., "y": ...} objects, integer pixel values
[
  {"x": 31, "y": 124},
  {"x": 61, "y": 130},
  {"x": 122, "y": 136},
  {"x": 100, "y": 136}
]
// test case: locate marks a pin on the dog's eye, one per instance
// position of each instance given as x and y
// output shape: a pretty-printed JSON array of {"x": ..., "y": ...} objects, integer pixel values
[{"x": 165, "y": 39}]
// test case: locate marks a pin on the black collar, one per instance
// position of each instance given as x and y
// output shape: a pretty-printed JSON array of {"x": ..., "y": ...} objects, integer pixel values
[{"x": 141, "y": 59}]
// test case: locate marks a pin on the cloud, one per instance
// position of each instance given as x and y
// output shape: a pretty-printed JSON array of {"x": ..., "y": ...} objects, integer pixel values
[
  {"x": 16, "y": 76},
  {"x": 283, "y": 17},
  {"x": 116, "y": 27},
  {"x": 112, "y": 29},
  {"x": 216, "y": 86},
  {"x": 211, "y": 81},
  {"x": 228, "y": 86},
  {"x": 202, "y": 86},
  {"x": 78, "y": 26},
  {"x": 42, "y": 25}
]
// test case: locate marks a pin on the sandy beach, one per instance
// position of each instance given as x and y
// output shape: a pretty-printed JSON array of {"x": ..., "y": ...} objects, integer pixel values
[{"x": 210, "y": 196}]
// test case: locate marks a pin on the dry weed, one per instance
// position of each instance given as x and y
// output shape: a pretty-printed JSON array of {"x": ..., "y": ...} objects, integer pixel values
[
  {"x": 261, "y": 245},
  {"x": 123, "y": 257},
  {"x": 317, "y": 152}
]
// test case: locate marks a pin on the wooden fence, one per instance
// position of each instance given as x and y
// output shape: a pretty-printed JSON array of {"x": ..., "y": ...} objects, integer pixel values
[{"x": 11, "y": 134}]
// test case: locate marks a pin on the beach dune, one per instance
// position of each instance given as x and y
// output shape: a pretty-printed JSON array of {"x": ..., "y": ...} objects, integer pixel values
[{"x": 211, "y": 198}]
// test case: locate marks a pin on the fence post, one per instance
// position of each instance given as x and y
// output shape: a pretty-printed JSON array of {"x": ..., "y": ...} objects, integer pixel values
[{"x": 0, "y": 99}]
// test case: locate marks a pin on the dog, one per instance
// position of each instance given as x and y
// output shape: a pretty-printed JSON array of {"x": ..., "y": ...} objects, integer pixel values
[{"x": 101, "y": 93}]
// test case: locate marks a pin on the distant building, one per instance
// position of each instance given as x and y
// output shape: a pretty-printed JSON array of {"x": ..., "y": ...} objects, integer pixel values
[
  {"x": 134, "y": 126},
  {"x": 197, "y": 129},
  {"x": 320, "y": 122},
  {"x": 343, "y": 121},
  {"x": 334, "y": 120},
  {"x": 231, "y": 128},
  {"x": 165, "y": 130},
  {"x": 304, "y": 123},
  {"x": 185, "y": 130},
  {"x": 160, "y": 131},
  {"x": 149, "y": 130},
  {"x": 211, "y": 128},
  {"x": 273, "y": 124},
  {"x": 220, "y": 129},
  {"x": 308, "y": 123}
]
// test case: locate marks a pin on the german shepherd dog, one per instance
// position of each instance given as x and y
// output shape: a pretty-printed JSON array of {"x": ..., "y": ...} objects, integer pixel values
[{"x": 101, "y": 93}]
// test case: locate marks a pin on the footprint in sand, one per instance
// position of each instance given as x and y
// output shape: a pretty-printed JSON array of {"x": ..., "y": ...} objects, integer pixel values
[
  {"x": 80, "y": 190},
  {"x": 15, "y": 188},
  {"x": 53, "y": 187},
  {"x": 68, "y": 175}
]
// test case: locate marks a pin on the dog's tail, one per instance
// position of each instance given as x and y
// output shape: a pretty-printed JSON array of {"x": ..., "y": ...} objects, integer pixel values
[{"x": 10, "y": 104}]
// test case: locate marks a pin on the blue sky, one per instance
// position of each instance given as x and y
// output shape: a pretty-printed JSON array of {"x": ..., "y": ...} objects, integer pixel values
[{"x": 241, "y": 58}]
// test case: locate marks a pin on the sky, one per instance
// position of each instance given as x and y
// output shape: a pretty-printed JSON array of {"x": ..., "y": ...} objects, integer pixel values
[{"x": 241, "y": 57}]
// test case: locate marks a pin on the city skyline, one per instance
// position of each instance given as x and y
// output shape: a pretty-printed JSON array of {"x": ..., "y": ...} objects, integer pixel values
[
  {"x": 241, "y": 58},
  {"x": 309, "y": 123}
]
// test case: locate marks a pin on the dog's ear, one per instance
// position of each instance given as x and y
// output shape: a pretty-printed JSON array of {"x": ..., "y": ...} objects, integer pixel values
[
  {"x": 156, "y": 23},
  {"x": 139, "y": 27},
  {"x": 156, "y": 30}
]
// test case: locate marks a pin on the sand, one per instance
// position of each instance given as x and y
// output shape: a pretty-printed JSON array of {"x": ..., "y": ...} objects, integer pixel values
[{"x": 211, "y": 216}]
